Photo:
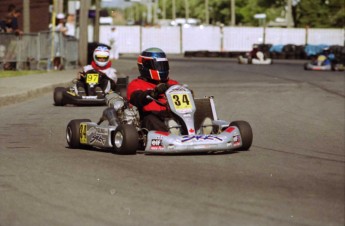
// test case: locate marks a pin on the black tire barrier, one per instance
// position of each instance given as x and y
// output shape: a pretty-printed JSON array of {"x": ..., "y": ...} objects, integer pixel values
[{"x": 289, "y": 51}]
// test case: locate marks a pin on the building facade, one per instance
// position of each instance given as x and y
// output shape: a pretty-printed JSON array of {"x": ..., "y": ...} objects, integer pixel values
[{"x": 39, "y": 13}]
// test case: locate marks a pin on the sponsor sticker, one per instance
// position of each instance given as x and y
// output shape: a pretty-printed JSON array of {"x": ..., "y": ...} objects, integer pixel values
[
  {"x": 97, "y": 138},
  {"x": 157, "y": 144},
  {"x": 201, "y": 138}
]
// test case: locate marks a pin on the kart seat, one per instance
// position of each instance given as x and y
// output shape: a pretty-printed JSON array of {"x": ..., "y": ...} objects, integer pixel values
[
  {"x": 121, "y": 85},
  {"x": 260, "y": 56},
  {"x": 203, "y": 110}
]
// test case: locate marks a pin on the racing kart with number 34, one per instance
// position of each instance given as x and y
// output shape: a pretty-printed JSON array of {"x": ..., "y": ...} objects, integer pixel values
[{"x": 195, "y": 127}]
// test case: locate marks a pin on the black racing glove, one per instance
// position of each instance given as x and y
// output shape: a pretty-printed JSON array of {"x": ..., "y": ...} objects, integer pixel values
[{"x": 159, "y": 89}]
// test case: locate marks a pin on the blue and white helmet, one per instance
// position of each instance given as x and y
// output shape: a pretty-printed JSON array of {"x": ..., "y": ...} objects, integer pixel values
[{"x": 101, "y": 56}]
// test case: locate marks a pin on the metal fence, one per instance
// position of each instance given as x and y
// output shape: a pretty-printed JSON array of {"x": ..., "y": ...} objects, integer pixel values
[{"x": 36, "y": 51}]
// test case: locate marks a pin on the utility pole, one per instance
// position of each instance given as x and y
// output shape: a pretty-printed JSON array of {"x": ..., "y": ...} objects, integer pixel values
[
  {"x": 207, "y": 19},
  {"x": 173, "y": 9},
  {"x": 96, "y": 25},
  {"x": 59, "y": 6},
  {"x": 83, "y": 31},
  {"x": 26, "y": 15},
  {"x": 186, "y": 3},
  {"x": 164, "y": 9},
  {"x": 290, "y": 22},
  {"x": 233, "y": 15}
]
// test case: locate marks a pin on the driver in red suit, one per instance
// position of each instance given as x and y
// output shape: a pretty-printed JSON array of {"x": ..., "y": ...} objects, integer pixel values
[{"x": 152, "y": 82}]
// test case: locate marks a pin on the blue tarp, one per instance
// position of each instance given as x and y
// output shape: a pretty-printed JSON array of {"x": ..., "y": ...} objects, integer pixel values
[
  {"x": 277, "y": 48},
  {"x": 311, "y": 50}
]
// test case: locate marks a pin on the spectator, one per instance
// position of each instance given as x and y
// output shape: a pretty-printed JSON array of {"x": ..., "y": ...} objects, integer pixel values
[
  {"x": 113, "y": 43},
  {"x": 14, "y": 23},
  {"x": 60, "y": 31},
  {"x": 70, "y": 26},
  {"x": 5, "y": 25},
  {"x": 60, "y": 23},
  {"x": 11, "y": 9}
]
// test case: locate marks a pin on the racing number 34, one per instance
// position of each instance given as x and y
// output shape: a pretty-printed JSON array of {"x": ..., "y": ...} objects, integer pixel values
[
  {"x": 181, "y": 101},
  {"x": 82, "y": 132}
]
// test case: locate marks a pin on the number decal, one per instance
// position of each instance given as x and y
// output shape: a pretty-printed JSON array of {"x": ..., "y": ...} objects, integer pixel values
[
  {"x": 82, "y": 132},
  {"x": 181, "y": 102},
  {"x": 92, "y": 78}
]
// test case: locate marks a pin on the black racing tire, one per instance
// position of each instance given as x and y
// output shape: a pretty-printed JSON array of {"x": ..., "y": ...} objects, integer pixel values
[
  {"x": 246, "y": 134},
  {"x": 58, "y": 96},
  {"x": 125, "y": 140},
  {"x": 306, "y": 66},
  {"x": 73, "y": 133}
]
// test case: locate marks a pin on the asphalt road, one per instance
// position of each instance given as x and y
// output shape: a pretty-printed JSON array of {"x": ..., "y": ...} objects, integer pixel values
[{"x": 293, "y": 174}]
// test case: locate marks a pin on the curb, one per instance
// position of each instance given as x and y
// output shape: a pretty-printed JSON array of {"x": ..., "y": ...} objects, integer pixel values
[{"x": 21, "y": 97}]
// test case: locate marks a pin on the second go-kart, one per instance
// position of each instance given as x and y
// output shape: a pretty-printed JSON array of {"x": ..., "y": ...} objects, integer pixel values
[
  {"x": 195, "y": 127},
  {"x": 322, "y": 63},
  {"x": 261, "y": 59},
  {"x": 95, "y": 83}
]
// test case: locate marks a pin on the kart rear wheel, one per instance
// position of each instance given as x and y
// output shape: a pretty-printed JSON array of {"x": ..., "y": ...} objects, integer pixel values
[
  {"x": 246, "y": 134},
  {"x": 73, "y": 132},
  {"x": 125, "y": 140},
  {"x": 58, "y": 96}
]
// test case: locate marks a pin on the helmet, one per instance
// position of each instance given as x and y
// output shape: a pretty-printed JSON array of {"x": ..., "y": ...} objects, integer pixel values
[
  {"x": 153, "y": 65},
  {"x": 101, "y": 56},
  {"x": 326, "y": 50}
]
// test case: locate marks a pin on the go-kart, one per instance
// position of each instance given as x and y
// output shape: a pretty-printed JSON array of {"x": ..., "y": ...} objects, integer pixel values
[
  {"x": 259, "y": 60},
  {"x": 95, "y": 84},
  {"x": 322, "y": 63},
  {"x": 194, "y": 127}
]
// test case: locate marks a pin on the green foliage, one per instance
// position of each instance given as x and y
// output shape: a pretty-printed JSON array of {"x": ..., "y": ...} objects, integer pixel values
[{"x": 313, "y": 13}]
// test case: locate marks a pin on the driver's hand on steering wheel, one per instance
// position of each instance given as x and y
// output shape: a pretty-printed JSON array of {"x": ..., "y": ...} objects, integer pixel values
[
  {"x": 80, "y": 75},
  {"x": 160, "y": 89}
]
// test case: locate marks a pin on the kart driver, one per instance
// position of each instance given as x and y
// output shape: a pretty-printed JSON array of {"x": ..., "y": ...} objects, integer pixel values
[
  {"x": 253, "y": 53},
  {"x": 330, "y": 58},
  {"x": 153, "y": 82},
  {"x": 101, "y": 62}
]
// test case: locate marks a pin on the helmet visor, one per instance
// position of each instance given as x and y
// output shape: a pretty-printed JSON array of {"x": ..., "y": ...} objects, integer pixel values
[
  {"x": 159, "y": 64},
  {"x": 101, "y": 58}
]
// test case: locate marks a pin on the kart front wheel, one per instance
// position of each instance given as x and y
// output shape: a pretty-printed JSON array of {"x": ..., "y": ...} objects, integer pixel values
[
  {"x": 125, "y": 140},
  {"x": 58, "y": 96},
  {"x": 73, "y": 132},
  {"x": 246, "y": 134},
  {"x": 306, "y": 66}
]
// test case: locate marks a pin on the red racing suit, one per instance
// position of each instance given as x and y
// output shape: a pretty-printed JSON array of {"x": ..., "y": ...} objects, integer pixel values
[{"x": 137, "y": 91}]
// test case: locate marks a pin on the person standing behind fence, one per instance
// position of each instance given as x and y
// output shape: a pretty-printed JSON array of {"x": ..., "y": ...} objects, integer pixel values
[
  {"x": 5, "y": 24},
  {"x": 70, "y": 26},
  {"x": 12, "y": 26},
  {"x": 113, "y": 43},
  {"x": 14, "y": 22},
  {"x": 60, "y": 31}
]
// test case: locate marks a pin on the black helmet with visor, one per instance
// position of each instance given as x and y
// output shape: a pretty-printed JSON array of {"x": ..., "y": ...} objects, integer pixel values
[{"x": 153, "y": 65}]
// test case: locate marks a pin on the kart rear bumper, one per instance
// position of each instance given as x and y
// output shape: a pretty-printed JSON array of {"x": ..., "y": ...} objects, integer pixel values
[
  {"x": 164, "y": 142},
  {"x": 87, "y": 100}
]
